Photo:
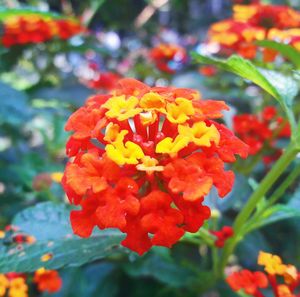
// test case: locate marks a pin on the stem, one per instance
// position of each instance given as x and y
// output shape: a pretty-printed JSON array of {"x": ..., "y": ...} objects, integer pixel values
[
  {"x": 276, "y": 195},
  {"x": 284, "y": 186},
  {"x": 279, "y": 167},
  {"x": 215, "y": 260}
]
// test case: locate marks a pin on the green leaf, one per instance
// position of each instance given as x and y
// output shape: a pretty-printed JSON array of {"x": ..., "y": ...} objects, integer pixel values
[
  {"x": 284, "y": 49},
  {"x": 282, "y": 88},
  {"x": 14, "y": 108},
  {"x": 49, "y": 224},
  {"x": 162, "y": 268},
  {"x": 276, "y": 213},
  {"x": 241, "y": 67},
  {"x": 286, "y": 85}
]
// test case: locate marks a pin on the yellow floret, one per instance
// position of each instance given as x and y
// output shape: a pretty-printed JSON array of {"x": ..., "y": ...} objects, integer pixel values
[{"x": 200, "y": 134}]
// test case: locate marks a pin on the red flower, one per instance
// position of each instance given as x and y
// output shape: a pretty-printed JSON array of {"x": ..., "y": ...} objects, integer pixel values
[
  {"x": 222, "y": 235},
  {"x": 105, "y": 81},
  {"x": 273, "y": 16},
  {"x": 168, "y": 57},
  {"x": 261, "y": 130},
  {"x": 47, "y": 280},
  {"x": 248, "y": 281},
  {"x": 35, "y": 28},
  {"x": 156, "y": 154}
]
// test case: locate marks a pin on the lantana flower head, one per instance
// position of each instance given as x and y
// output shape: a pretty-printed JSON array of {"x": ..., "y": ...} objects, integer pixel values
[
  {"x": 254, "y": 22},
  {"x": 236, "y": 37},
  {"x": 262, "y": 130},
  {"x": 168, "y": 57},
  {"x": 37, "y": 28},
  {"x": 283, "y": 279},
  {"x": 268, "y": 16},
  {"x": 144, "y": 160},
  {"x": 13, "y": 285}
]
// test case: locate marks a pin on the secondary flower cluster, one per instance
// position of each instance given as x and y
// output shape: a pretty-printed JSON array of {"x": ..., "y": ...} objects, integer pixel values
[
  {"x": 18, "y": 284},
  {"x": 144, "y": 160},
  {"x": 256, "y": 22},
  {"x": 283, "y": 279},
  {"x": 168, "y": 58},
  {"x": 37, "y": 28},
  {"x": 262, "y": 131}
]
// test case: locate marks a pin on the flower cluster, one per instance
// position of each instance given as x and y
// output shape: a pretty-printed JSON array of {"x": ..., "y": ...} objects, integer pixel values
[
  {"x": 144, "y": 160},
  {"x": 262, "y": 131},
  {"x": 284, "y": 279},
  {"x": 47, "y": 280},
  {"x": 36, "y": 28},
  {"x": 17, "y": 284},
  {"x": 256, "y": 22},
  {"x": 168, "y": 57},
  {"x": 222, "y": 235}
]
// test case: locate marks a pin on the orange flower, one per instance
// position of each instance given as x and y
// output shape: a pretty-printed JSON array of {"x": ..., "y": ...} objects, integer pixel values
[
  {"x": 36, "y": 28},
  {"x": 251, "y": 282},
  {"x": 144, "y": 173},
  {"x": 248, "y": 281},
  {"x": 47, "y": 280}
]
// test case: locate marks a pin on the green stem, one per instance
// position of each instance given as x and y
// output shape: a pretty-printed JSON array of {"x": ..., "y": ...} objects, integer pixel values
[
  {"x": 284, "y": 186},
  {"x": 279, "y": 167},
  {"x": 215, "y": 260},
  {"x": 251, "y": 224}
]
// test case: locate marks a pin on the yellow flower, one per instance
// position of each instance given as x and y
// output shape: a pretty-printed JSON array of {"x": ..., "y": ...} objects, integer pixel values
[
  {"x": 18, "y": 288},
  {"x": 291, "y": 274},
  {"x": 122, "y": 154},
  {"x": 253, "y": 34},
  {"x": 149, "y": 165},
  {"x": 297, "y": 45},
  {"x": 4, "y": 284},
  {"x": 284, "y": 291},
  {"x": 57, "y": 176},
  {"x": 243, "y": 12},
  {"x": 200, "y": 134},
  {"x": 148, "y": 118},
  {"x": 180, "y": 111},
  {"x": 225, "y": 38},
  {"x": 113, "y": 133},
  {"x": 273, "y": 264},
  {"x": 168, "y": 146},
  {"x": 120, "y": 108},
  {"x": 153, "y": 101},
  {"x": 221, "y": 26}
]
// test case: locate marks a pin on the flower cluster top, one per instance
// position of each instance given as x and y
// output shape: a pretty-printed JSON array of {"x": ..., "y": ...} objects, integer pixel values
[
  {"x": 37, "y": 28},
  {"x": 145, "y": 158},
  {"x": 283, "y": 279},
  {"x": 256, "y": 22}
]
